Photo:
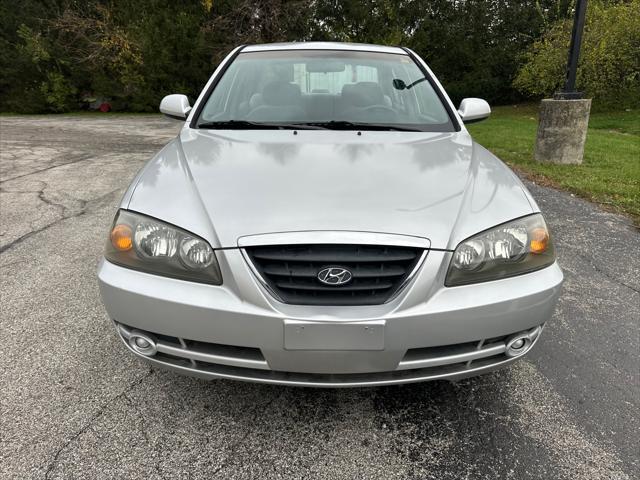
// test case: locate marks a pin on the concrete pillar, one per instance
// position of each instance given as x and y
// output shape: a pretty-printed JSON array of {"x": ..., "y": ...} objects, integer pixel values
[{"x": 562, "y": 131}]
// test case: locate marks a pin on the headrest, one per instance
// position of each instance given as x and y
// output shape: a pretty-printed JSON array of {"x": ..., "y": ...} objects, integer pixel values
[
  {"x": 255, "y": 100},
  {"x": 280, "y": 93},
  {"x": 363, "y": 94}
]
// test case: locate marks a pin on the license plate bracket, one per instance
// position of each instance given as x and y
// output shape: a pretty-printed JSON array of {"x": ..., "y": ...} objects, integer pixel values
[{"x": 306, "y": 335}]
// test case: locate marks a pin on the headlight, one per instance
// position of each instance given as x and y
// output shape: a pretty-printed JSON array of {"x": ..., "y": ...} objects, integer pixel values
[
  {"x": 513, "y": 248},
  {"x": 146, "y": 244}
]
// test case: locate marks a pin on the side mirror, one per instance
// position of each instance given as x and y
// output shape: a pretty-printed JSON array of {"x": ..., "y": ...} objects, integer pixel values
[
  {"x": 175, "y": 106},
  {"x": 473, "y": 110}
]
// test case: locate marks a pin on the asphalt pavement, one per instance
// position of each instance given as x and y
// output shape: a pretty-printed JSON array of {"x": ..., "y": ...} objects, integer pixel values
[{"x": 75, "y": 404}]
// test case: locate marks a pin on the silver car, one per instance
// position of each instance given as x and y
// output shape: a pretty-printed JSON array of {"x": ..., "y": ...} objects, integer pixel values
[{"x": 325, "y": 219}]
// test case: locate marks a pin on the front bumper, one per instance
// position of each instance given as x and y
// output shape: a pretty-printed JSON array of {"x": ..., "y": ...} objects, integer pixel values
[{"x": 236, "y": 330}]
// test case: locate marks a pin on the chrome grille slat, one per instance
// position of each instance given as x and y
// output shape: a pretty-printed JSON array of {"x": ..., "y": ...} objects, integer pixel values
[
  {"x": 219, "y": 354},
  {"x": 184, "y": 346},
  {"x": 290, "y": 271},
  {"x": 468, "y": 356}
]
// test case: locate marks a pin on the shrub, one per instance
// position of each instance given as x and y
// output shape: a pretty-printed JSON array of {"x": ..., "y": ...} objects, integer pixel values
[{"x": 58, "y": 92}]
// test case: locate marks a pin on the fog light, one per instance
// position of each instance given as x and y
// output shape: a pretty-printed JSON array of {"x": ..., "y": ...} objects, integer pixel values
[
  {"x": 142, "y": 343},
  {"x": 520, "y": 343}
]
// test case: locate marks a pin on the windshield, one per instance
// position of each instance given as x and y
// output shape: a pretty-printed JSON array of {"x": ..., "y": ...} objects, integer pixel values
[{"x": 325, "y": 89}]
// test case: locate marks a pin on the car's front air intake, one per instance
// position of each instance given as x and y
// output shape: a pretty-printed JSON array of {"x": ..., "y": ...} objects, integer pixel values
[{"x": 334, "y": 274}]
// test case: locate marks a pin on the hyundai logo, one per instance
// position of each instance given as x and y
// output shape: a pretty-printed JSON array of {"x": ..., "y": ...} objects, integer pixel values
[{"x": 334, "y": 276}]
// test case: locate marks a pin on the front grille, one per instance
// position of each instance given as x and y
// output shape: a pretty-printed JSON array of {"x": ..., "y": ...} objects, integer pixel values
[{"x": 291, "y": 272}]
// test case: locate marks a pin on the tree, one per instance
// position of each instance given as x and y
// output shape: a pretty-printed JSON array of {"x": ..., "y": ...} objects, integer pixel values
[{"x": 609, "y": 69}]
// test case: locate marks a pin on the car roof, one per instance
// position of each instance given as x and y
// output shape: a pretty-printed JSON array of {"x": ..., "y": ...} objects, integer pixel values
[{"x": 324, "y": 46}]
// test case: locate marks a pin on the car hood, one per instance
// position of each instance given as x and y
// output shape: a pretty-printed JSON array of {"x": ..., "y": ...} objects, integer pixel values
[{"x": 224, "y": 185}]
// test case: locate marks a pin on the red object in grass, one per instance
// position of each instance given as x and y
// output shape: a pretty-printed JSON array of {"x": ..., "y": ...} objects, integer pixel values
[{"x": 105, "y": 107}]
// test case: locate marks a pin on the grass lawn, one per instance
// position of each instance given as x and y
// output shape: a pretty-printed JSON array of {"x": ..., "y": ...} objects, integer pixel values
[{"x": 610, "y": 173}]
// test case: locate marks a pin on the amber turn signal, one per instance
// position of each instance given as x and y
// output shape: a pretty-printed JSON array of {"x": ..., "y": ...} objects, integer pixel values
[
  {"x": 122, "y": 237},
  {"x": 539, "y": 240}
]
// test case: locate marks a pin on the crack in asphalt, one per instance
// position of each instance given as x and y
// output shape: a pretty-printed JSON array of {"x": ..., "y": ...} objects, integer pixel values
[
  {"x": 84, "y": 208},
  {"x": 256, "y": 413},
  {"x": 44, "y": 199},
  {"x": 82, "y": 158},
  {"x": 143, "y": 429},
  {"x": 605, "y": 273},
  {"x": 145, "y": 434},
  {"x": 91, "y": 422},
  {"x": 24, "y": 237}
]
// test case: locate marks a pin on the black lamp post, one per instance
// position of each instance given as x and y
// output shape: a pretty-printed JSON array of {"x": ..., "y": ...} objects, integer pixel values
[{"x": 569, "y": 92}]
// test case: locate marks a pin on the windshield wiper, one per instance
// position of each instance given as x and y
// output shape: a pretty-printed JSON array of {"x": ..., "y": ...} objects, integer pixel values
[
  {"x": 330, "y": 125},
  {"x": 248, "y": 125},
  {"x": 399, "y": 84},
  {"x": 346, "y": 125}
]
